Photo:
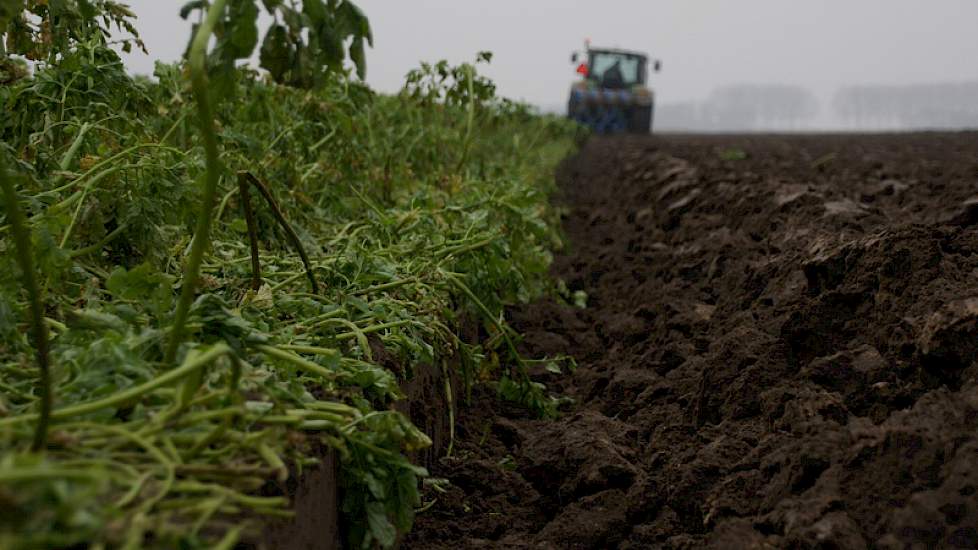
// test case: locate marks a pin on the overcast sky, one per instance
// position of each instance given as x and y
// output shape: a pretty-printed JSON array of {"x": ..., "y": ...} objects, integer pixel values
[{"x": 703, "y": 44}]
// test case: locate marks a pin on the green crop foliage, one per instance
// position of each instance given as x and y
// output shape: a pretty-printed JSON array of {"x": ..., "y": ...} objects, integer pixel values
[
  {"x": 43, "y": 30},
  {"x": 382, "y": 224}
]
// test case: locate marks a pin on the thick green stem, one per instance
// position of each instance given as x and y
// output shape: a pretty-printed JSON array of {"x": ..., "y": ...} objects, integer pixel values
[
  {"x": 384, "y": 286},
  {"x": 22, "y": 240},
  {"x": 464, "y": 249},
  {"x": 230, "y": 538},
  {"x": 198, "y": 80},
  {"x": 303, "y": 364},
  {"x": 372, "y": 329},
  {"x": 72, "y": 152},
  {"x": 271, "y": 457}
]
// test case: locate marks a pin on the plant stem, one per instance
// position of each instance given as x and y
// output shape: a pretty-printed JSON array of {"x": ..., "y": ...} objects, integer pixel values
[
  {"x": 99, "y": 245},
  {"x": 384, "y": 286},
  {"x": 293, "y": 237},
  {"x": 22, "y": 239},
  {"x": 371, "y": 330},
  {"x": 470, "y": 118},
  {"x": 303, "y": 364},
  {"x": 198, "y": 80},
  {"x": 252, "y": 231},
  {"x": 72, "y": 152}
]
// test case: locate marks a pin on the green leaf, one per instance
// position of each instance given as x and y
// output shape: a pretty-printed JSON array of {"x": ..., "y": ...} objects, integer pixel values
[
  {"x": 381, "y": 528},
  {"x": 276, "y": 54},
  {"x": 580, "y": 299},
  {"x": 86, "y": 9},
  {"x": 408, "y": 498},
  {"x": 20, "y": 40},
  {"x": 243, "y": 29},
  {"x": 8, "y": 10},
  {"x": 732, "y": 154},
  {"x": 359, "y": 58},
  {"x": 330, "y": 42},
  {"x": 361, "y": 25},
  {"x": 376, "y": 486},
  {"x": 315, "y": 10},
  {"x": 90, "y": 319},
  {"x": 238, "y": 225},
  {"x": 142, "y": 284},
  {"x": 223, "y": 81}
]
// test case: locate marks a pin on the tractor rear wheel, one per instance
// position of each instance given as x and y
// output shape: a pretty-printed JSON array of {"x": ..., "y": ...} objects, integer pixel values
[
  {"x": 640, "y": 119},
  {"x": 573, "y": 107}
]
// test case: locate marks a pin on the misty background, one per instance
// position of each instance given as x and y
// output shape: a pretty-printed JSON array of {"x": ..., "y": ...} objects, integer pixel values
[{"x": 754, "y": 65}]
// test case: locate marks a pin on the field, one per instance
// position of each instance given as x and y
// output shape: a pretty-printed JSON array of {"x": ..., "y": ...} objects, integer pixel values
[
  {"x": 778, "y": 351},
  {"x": 249, "y": 307}
]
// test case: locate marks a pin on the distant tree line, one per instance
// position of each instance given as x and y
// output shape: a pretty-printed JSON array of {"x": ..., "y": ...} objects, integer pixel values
[
  {"x": 753, "y": 107},
  {"x": 951, "y": 105},
  {"x": 743, "y": 107}
]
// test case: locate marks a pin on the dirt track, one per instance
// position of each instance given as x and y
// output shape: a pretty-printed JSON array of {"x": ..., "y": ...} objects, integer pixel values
[{"x": 779, "y": 352}]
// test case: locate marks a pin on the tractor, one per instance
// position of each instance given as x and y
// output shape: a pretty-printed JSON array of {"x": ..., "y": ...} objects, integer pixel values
[{"x": 613, "y": 96}]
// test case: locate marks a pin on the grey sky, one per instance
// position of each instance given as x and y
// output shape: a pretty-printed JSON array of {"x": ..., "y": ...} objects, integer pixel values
[{"x": 820, "y": 44}]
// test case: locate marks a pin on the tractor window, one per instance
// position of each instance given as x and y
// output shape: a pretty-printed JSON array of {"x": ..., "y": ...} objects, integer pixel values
[{"x": 629, "y": 66}]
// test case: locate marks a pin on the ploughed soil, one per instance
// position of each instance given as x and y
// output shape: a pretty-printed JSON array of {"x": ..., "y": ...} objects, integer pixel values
[{"x": 780, "y": 350}]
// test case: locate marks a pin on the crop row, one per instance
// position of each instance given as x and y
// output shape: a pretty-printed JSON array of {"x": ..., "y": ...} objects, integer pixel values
[{"x": 345, "y": 225}]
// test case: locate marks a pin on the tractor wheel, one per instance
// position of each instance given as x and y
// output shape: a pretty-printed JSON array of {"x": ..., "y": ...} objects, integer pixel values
[
  {"x": 573, "y": 107},
  {"x": 640, "y": 119},
  {"x": 580, "y": 112}
]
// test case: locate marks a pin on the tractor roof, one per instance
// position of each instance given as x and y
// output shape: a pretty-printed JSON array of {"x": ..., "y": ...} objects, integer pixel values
[{"x": 617, "y": 51}]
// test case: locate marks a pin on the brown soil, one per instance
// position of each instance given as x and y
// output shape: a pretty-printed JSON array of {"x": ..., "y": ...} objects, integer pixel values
[{"x": 779, "y": 351}]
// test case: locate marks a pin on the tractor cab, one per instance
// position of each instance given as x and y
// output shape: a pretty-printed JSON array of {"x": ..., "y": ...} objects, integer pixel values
[
  {"x": 614, "y": 69},
  {"x": 613, "y": 96}
]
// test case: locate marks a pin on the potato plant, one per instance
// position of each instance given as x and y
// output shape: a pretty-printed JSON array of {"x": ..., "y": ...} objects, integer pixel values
[{"x": 205, "y": 348}]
